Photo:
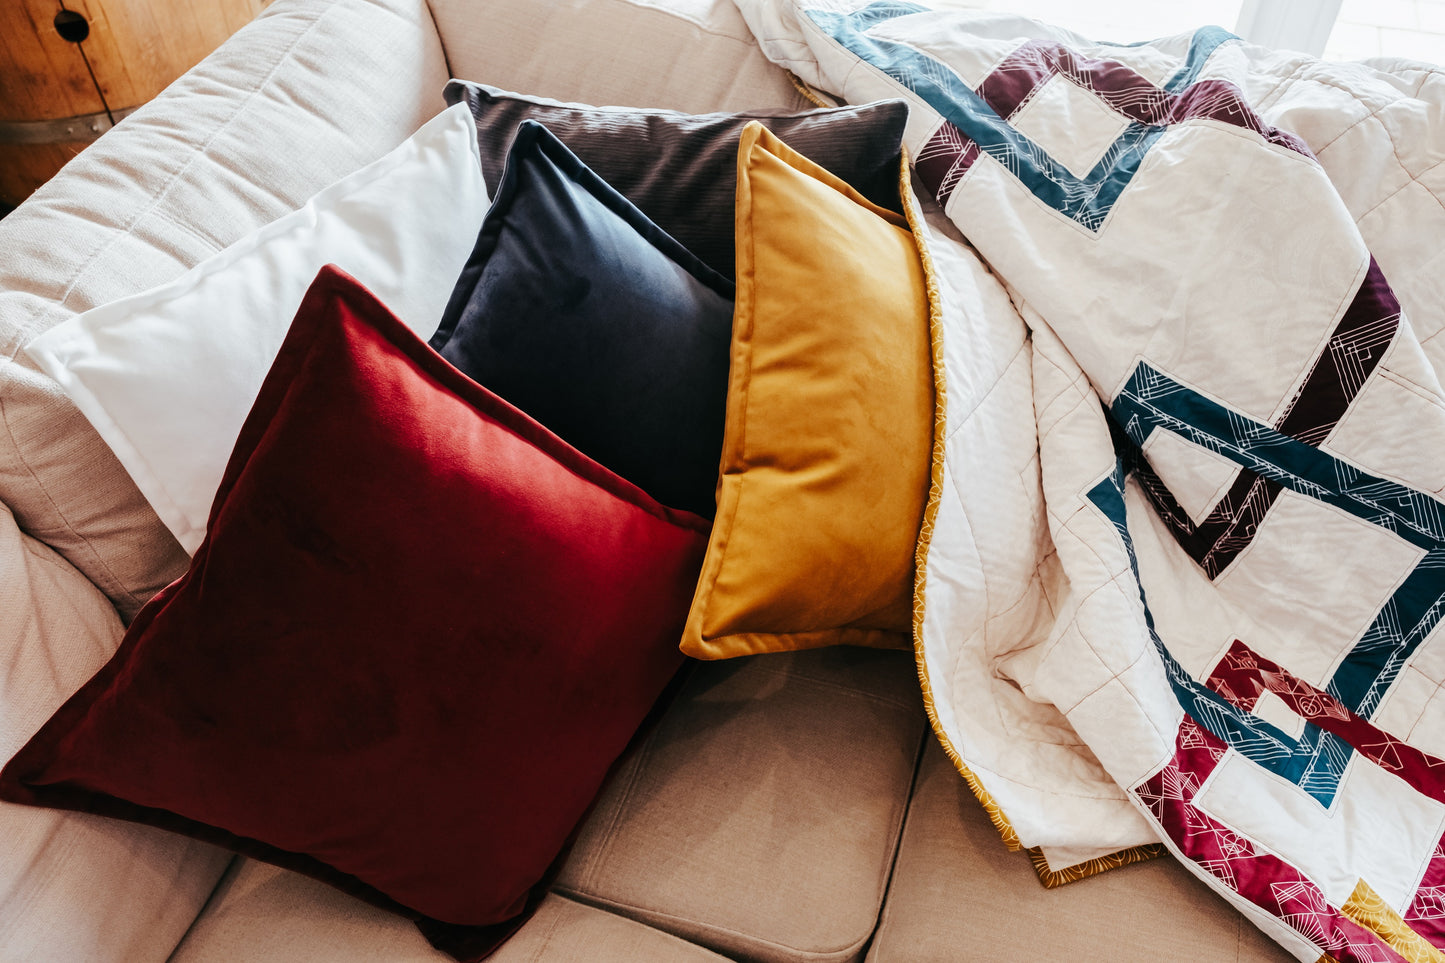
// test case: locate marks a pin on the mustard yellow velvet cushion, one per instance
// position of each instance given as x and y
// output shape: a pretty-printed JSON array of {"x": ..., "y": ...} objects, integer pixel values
[{"x": 827, "y": 445}]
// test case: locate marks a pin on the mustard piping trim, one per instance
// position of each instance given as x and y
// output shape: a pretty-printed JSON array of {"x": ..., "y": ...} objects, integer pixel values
[
  {"x": 807, "y": 91},
  {"x": 1092, "y": 867},
  {"x": 1366, "y": 908},
  {"x": 930, "y": 509},
  {"x": 1050, "y": 878}
]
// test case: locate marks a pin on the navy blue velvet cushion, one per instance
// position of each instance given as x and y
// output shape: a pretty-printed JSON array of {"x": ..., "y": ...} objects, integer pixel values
[{"x": 586, "y": 315}]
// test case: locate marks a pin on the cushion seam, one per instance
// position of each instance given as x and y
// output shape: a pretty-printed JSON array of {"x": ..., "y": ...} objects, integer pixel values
[
  {"x": 610, "y": 833},
  {"x": 708, "y": 929},
  {"x": 232, "y": 865},
  {"x": 903, "y": 821},
  {"x": 546, "y": 942}
]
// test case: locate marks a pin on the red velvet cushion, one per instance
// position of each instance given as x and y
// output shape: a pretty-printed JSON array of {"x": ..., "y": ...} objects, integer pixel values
[{"x": 419, "y": 631}]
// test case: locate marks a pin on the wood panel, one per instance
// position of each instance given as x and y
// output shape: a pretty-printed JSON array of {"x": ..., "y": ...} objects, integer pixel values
[
  {"x": 135, "y": 48},
  {"x": 41, "y": 75},
  {"x": 24, "y": 167}
]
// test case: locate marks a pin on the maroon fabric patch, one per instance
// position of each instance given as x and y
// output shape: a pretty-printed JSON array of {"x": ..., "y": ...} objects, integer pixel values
[{"x": 418, "y": 633}]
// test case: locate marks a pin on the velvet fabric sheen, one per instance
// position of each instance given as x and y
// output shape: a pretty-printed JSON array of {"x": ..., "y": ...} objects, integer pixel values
[
  {"x": 583, "y": 313},
  {"x": 680, "y": 169},
  {"x": 829, "y": 433},
  {"x": 417, "y": 634}
]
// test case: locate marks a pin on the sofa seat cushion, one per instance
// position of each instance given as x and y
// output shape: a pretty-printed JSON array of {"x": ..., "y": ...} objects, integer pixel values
[
  {"x": 181, "y": 178},
  {"x": 760, "y": 816},
  {"x": 951, "y": 859},
  {"x": 261, "y": 913},
  {"x": 564, "y": 930}
]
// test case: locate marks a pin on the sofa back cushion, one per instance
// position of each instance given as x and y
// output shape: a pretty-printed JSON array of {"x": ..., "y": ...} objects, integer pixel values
[
  {"x": 269, "y": 119},
  {"x": 688, "y": 55}
]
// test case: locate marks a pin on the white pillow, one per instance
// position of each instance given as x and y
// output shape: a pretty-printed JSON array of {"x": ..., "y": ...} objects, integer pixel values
[{"x": 167, "y": 377}]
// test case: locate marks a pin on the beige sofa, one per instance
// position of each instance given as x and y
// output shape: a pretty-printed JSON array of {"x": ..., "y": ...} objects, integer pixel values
[{"x": 783, "y": 807}]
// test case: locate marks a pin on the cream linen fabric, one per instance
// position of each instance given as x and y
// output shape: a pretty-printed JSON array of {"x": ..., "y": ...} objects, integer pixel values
[
  {"x": 170, "y": 395},
  {"x": 334, "y": 84},
  {"x": 689, "y": 55},
  {"x": 72, "y": 886},
  {"x": 760, "y": 817},
  {"x": 958, "y": 894}
]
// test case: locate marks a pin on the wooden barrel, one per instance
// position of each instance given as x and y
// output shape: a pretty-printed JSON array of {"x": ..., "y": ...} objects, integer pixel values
[{"x": 58, "y": 94}]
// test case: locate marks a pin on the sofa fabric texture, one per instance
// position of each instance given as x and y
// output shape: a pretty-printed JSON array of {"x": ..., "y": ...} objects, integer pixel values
[
  {"x": 760, "y": 817},
  {"x": 688, "y": 55},
  {"x": 76, "y": 886},
  {"x": 563, "y": 929},
  {"x": 261, "y": 914},
  {"x": 955, "y": 886}
]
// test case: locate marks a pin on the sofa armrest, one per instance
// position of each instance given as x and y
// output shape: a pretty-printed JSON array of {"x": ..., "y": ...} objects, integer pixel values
[{"x": 306, "y": 93}]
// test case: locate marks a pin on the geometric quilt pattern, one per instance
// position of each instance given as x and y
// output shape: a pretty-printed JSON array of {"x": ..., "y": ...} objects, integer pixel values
[
  {"x": 1218, "y": 719},
  {"x": 1218, "y": 710},
  {"x": 1328, "y": 752},
  {"x": 976, "y": 121}
]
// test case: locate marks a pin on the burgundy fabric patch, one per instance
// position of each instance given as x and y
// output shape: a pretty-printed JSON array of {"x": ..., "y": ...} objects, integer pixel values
[{"x": 418, "y": 633}]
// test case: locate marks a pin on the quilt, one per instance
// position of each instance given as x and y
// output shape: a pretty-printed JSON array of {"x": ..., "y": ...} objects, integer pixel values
[{"x": 1183, "y": 570}]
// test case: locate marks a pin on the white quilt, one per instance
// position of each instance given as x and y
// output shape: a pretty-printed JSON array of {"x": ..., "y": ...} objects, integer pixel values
[{"x": 1186, "y": 575}]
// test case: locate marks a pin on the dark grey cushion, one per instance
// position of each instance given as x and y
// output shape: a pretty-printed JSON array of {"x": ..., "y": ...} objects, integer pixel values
[{"x": 681, "y": 169}]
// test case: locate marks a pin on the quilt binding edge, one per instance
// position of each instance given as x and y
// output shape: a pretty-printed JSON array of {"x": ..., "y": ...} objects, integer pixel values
[{"x": 1048, "y": 876}]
